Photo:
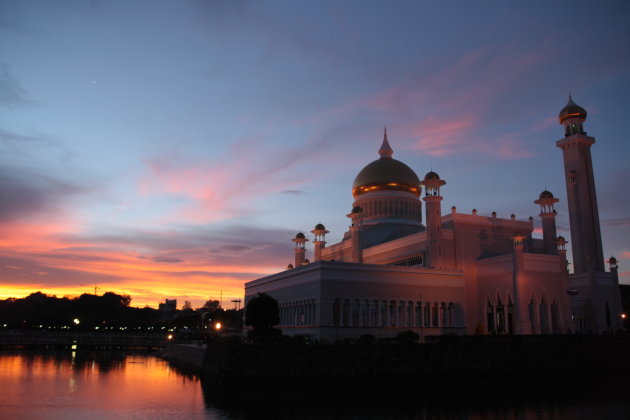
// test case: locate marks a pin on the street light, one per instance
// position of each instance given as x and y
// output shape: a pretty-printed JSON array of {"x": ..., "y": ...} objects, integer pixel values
[
  {"x": 218, "y": 327},
  {"x": 76, "y": 321}
]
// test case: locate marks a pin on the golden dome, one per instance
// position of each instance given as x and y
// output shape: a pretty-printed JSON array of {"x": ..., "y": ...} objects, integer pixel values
[
  {"x": 386, "y": 173},
  {"x": 571, "y": 110}
]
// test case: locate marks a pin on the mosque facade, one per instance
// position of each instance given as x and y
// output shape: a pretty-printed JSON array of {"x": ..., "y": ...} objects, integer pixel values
[{"x": 451, "y": 272}]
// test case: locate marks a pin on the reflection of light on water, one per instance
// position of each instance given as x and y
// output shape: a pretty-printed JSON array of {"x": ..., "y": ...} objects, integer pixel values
[{"x": 72, "y": 384}]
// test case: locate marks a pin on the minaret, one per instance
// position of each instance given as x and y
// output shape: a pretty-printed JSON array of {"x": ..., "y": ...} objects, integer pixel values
[
  {"x": 432, "y": 198},
  {"x": 582, "y": 201},
  {"x": 300, "y": 249},
  {"x": 320, "y": 241},
  {"x": 548, "y": 216}
]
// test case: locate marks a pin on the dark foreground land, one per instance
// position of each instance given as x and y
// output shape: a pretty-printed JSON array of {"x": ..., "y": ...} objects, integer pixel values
[
  {"x": 450, "y": 360},
  {"x": 492, "y": 376}
]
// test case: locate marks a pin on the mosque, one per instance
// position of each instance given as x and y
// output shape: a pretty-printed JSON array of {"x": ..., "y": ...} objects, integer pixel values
[{"x": 457, "y": 273}]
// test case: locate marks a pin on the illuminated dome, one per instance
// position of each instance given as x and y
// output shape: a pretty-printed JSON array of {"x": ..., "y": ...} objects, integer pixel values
[
  {"x": 572, "y": 110},
  {"x": 545, "y": 194},
  {"x": 431, "y": 175},
  {"x": 386, "y": 173}
]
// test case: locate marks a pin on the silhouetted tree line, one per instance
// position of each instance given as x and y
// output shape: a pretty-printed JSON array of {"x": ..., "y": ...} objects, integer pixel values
[{"x": 106, "y": 312}]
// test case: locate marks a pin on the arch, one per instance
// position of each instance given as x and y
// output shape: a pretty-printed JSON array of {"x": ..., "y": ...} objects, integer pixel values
[
  {"x": 531, "y": 309},
  {"x": 543, "y": 314},
  {"x": 383, "y": 313},
  {"x": 392, "y": 314},
  {"x": 500, "y": 315},
  {"x": 556, "y": 326},
  {"x": 411, "y": 314},
  {"x": 435, "y": 316},
  {"x": 490, "y": 317},
  {"x": 345, "y": 320},
  {"x": 427, "y": 314}
]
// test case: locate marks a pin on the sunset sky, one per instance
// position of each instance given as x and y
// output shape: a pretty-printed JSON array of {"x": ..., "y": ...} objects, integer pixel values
[{"x": 171, "y": 149}]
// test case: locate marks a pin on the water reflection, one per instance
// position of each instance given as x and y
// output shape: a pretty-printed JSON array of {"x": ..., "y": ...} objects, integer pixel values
[
  {"x": 122, "y": 385},
  {"x": 97, "y": 385}
]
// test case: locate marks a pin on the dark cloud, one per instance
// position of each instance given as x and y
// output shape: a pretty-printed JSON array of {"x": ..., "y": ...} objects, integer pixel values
[
  {"x": 18, "y": 271},
  {"x": 244, "y": 276},
  {"x": 25, "y": 193},
  {"x": 623, "y": 222},
  {"x": 167, "y": 260},
  {"x": 75, "y": 257},
  {"x": 230, "y": 248},
  {"x": 12, "y": 94},
  {"x": 7, "y": 136}
]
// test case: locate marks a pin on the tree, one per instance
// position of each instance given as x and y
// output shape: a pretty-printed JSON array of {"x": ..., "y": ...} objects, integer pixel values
[
  {"x": 262, "y": 313},
  {"x": 211, "y": 306}
]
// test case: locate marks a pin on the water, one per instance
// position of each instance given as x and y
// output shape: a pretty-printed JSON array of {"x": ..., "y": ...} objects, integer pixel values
[
  {"x": 106, "y": 385},
  {"x": 119, "y": 385}
]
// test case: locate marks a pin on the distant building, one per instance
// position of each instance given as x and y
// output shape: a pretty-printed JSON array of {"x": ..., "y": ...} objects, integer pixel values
[
  {"x": 168, "y": 308},
  {"x": 459, "y": 273}
]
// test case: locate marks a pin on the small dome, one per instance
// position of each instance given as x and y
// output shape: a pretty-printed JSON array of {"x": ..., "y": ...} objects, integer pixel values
[
  {"x": 545, "y": 194},
  {"x": 612, "y": 260},
  {"x": 560, "y": 239},
  {"x": 431, "y": 175},
  {"x": 300, "y": 235},
  {"x": 319, "y": 226},
  {"x": 571, "y": 110}
]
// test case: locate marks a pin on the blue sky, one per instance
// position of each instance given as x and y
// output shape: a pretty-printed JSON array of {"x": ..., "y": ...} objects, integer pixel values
[{"x": 171, "y": 149}]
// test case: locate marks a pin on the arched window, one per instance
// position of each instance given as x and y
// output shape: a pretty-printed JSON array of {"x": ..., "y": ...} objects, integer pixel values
[
  {"x": 435, "y": 314},
  {"x": 543, "y": 310},
  {"x": 427, "y": 314},
  {"x": 411, "y": 317},
  {"x": 500, "y": 313},
  {"x": 392, "y": 313},
  {"x": 355, "y": 312},
  {"x": 336, "y": 312},
  {"x": 490, "y": 317},
  {"x": 531, "y": 308},
  {"x": 346, "y": 312},
  {"x": 510, "y": 316},
  {"x": 384, "y": 313},
  {"x": 555, "y": 317}
]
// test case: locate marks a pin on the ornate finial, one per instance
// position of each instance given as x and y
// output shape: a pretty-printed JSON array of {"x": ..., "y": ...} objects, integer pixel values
[{"x": 386, "y": 150}]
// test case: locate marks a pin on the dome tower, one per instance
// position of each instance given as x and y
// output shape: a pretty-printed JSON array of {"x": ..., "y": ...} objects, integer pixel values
[
  {"x": 432, "y": 198},
  {"x": 583, "y": 214},
  {"x": 387, "y": 191},
  {"x": 548, "y": 215}
]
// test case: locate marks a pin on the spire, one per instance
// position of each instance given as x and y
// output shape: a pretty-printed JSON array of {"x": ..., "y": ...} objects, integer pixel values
[{"x": 386, "y": 150}]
